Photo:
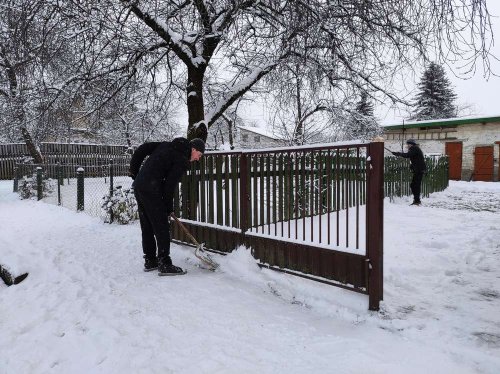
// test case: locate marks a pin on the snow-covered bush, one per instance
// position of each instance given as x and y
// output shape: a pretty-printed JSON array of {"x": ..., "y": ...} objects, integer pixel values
[
  {"x": 27, "y": 187},
  {"x": 121, "y": 204}
]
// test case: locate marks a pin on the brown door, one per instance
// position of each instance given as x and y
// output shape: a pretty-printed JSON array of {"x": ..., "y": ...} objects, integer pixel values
[
  {"x": 454, "y": 152},
  {"x": 483, "y": 164}
]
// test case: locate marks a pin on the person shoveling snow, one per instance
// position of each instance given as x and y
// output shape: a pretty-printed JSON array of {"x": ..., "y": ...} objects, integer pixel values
[{"x": 154, "y": 185}]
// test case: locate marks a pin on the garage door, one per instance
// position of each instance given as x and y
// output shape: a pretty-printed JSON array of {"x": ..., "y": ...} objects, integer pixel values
[
  {"x": 483, "y": 164},
  {"x": 454, "y": 152}
]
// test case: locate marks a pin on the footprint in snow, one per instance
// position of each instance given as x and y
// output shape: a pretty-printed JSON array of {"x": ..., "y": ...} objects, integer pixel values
[
  {"x": 488, "y": 293},
  {"x": 491, "y": 339}
]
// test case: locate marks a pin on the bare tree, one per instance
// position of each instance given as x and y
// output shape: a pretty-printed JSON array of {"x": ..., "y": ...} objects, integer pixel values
[
  {"x": 347, "y": 44},
  {"x": 361, "y": 123},
  {"x": 31, "y": 36}
]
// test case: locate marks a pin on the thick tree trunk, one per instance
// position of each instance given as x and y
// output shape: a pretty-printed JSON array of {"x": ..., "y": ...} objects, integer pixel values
[
  {"x": 32, "y": 148},
  {"x": 197, "y": 127},
  {"x": 17, "y": 108},
  {"x": 20, "y": 118}
]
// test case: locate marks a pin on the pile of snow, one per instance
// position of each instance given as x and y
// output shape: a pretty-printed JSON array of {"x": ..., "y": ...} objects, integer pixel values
[{"x": 87, "y": 306}]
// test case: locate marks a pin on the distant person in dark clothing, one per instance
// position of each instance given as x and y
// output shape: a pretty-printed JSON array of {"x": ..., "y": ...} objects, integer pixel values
[
  {"x": 417, "y": 167},
  {"x": 154, "y": 186}
]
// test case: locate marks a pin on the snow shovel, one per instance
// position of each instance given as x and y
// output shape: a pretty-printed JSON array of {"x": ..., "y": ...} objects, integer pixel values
[{"x": 200, "y": 250}]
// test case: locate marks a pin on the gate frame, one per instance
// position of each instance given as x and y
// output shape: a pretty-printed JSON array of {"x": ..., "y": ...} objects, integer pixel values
[{"x": 354, "y": 272}]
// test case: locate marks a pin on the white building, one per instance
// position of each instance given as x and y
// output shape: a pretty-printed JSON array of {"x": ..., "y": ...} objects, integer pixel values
[
  {"x": 472, "y": 144},
  {"x": 256, "y": 137}
]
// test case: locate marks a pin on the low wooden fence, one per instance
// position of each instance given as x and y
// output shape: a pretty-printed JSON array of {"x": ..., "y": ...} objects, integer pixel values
[
  {"x": 397, "y": 176},
  {"x": 69, "y": 154},
  {"x": 20, "y": 149},
  {"x": 316, "y": 212},
  {"x": 66, "y": 167}
]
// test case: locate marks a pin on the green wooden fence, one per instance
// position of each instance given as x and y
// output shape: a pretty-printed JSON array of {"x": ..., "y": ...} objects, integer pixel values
[
  {"x": 397, "y": 176},
  {"x": 293, "y": 185}
]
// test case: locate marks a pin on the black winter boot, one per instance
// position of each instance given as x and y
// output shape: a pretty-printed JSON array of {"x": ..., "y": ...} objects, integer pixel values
[
  {"x": 150, "y": 263},
  {"x": 167, "y": 268}
]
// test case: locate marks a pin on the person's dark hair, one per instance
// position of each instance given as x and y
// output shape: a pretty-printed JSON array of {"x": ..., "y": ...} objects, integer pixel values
[
  {"x": 411, "y": 141},
  {"x": 198, "y": 144}
]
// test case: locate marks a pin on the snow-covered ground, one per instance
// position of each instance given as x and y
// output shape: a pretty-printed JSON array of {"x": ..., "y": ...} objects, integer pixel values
[{"x": 87, "y": 306}]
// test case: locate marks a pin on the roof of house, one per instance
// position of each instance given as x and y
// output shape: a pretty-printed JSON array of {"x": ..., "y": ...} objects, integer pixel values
[
  {"x": 260, "y": 131},
  {"x": 448, "y": 122}
]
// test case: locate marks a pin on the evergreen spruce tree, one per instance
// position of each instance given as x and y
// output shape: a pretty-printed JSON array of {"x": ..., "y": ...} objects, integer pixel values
[
  {"x": 363, "y": 124},
  {"x": 435, "y": 98}
]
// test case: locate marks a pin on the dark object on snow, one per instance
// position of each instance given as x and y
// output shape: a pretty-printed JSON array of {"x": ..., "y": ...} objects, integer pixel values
[
  {"x": 411, "y": 141},
  {"x": 9, "y": 279}
]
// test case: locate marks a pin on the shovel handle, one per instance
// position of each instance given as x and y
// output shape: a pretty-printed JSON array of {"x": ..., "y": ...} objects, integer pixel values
[{"x": 186, "y": 231}]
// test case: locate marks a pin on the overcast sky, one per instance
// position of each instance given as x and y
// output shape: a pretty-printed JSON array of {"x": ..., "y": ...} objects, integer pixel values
[
  {"x": 478, "y": 91},
  {"x": 481, "y": 93}
]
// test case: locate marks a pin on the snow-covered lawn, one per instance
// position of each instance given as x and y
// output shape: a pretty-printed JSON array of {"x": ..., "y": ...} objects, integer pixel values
[{"x": 87, "y": 306}]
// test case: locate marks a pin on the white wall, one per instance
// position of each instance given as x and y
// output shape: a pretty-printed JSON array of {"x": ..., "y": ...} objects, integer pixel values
[
  {"x": 471, "y": 136},
  {"x": 250, "y": 142}
]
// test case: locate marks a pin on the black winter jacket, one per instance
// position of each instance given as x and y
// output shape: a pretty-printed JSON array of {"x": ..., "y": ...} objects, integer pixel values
[
  {"x": 416, "y": 157},
  {"x": 164, "y": 168}
]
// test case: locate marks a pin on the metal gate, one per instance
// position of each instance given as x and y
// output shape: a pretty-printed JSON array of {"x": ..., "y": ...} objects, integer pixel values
[{"x": 315, "y": 212}]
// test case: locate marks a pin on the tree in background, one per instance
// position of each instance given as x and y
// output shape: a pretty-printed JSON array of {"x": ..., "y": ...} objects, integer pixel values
[
  {"x": 299, "y": 110},
  {"x": 435, "y": 98},
  {"x": 363, "y": 124},
  {"x": 59, "y": 80},
  {"x": 31, "y": 36},
  {"x": 233, "y": 44},
  {"x": 356, "y": 120},
  {"x": 79, "y": 56}
]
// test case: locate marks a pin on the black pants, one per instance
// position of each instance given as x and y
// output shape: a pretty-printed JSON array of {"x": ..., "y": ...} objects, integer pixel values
[
  {"x": 154, "y": 220},
  {"x": 416, "y": 181}
]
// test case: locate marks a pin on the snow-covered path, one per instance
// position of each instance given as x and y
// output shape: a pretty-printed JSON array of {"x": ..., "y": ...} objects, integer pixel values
[{"x": 87, "y": 306}]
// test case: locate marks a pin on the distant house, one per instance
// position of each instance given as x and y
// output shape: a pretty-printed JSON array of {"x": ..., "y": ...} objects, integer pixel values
[
  {"x": 256, "y": 137},
  {"x": 472, "y": 144}
]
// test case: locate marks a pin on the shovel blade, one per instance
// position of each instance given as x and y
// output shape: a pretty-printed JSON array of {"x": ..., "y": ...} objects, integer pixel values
[{"x": 201, "y": 254}]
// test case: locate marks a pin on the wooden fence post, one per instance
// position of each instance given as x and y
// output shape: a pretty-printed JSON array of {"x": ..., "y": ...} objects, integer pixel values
[
  {"x": 375, "y": 223},
  {"x": 244, "y": 193}
]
